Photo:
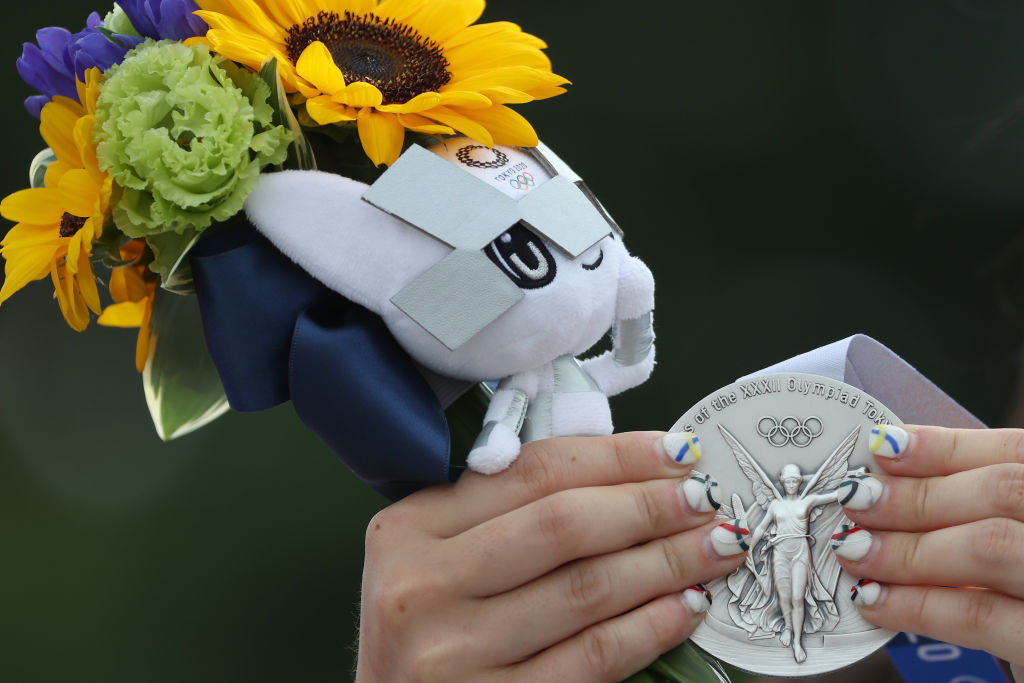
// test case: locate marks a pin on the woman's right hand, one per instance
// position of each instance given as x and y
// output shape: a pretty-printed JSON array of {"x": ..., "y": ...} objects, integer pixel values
[{"x": 573, "y": 564}]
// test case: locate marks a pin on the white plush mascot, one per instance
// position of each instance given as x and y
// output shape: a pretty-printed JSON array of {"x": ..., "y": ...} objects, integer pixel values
[{"x": 485, "y": 264}]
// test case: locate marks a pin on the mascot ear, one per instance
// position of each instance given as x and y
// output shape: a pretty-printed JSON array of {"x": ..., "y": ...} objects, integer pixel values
[{"x": 320, "y": 221}]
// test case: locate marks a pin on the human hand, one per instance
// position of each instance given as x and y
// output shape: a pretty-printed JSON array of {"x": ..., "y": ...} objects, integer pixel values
[
  {"x": 939, "y": 540},
  {"x": 573, "y": 564}
]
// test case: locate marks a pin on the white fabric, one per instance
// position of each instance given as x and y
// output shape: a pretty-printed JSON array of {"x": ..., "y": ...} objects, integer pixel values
[{"x": 867, "y": 364}]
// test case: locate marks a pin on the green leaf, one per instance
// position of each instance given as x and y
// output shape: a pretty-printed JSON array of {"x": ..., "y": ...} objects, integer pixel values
[
  {"x": 688, "y": 664},
  {"x": 180, "y": 381},
  {"x": 107, "y": 248},
  {"x": 300, "y": 154},
  {"x": 170, "y": 262},
  {"x": 37, "y": 169}
]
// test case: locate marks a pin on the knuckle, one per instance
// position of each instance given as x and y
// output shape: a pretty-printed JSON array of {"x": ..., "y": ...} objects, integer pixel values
[
  {"x": 996, "y": 541},
  {"x": 538, "y": 469},
  {"x": 979, "y": 612},
  {"x": 587, "y": 588},
  {"x": 602, "y": 650},
  {"x": 558, "y": 520},
  {"x": 432, "y": 663},
  {"x": 1008, "y": 493},
  {"x": 1012, "y": 444},
  {"x": 650, "y": 509},
  {"x": 622, "y": 451},
  {"x": 911, "y": 552},
  {"x": 675, "y": 562},
  {"x": 921, "y": 498}
]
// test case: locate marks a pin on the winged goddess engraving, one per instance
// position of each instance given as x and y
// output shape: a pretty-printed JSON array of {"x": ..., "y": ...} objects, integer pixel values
[{"x": 787, "y": 586}]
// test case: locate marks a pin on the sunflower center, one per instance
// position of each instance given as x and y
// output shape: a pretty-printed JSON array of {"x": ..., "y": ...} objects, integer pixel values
[
  {"x": 69, "y": 224},
  {"x": 389, "y": 55}
]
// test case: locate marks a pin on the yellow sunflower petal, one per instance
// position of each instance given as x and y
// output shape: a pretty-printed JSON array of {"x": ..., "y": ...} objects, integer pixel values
[
  {"x": 462, "y": 123},
  {"x": 326, "y": 111},
  {"x": 86, "y": 282},
  {"x": 55, "y": 171},
  {"x": 421, "y": 102},
  {"x": 56, "y": 125},
  {"x": 506, "y": 29},
  {"x": 521, "y": 78},
  {"x": 86, "y": 147},
  {"x": 382, "y": 136},
  {"x": 359, "y": 95},
  {"x": 507, "y": 126},
  {"x": 26, "y": 235},
  {"x": 142, "y": 343},
  {"x": 465, "y": 99},
  {"x": 441, "y": 19},
  {"x": 78, "y": 193},
  {"x": 473, "y": 60},
  {"x": 421, "y": 124},
  {"x": 71, "y": 306},
  {"x": 27, "y": 265},
  {"x": 254, "y": 16},
  {"x": 398, "y": 10},
  {"x": 38, "y": 205},
  {"x": 125, "y": 314},
  {"x": 317, "y": 66}
]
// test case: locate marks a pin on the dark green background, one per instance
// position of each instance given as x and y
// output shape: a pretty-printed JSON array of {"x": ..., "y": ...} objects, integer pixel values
[{"x": 792, "y": 173}]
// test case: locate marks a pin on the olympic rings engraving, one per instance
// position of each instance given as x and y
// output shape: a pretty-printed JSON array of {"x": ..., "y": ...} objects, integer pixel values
[
  {"x": 523, "y": 181},
  {"x": 464, "y": 155},
  {"x": 790, "y": 430}
]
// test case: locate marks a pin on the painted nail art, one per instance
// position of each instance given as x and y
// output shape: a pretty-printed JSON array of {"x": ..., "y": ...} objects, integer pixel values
[
  {"x": 730, "y": 538},
  {"x": 701, "y": 492},
  {"x": 859, "y": 491},
  {"x": 888, "y": 441},
  {"x": 866, "y": 592},
  {"x": 682, "y": 447},
  {"x": 851, "y": 542},
  {"x": 696, "y": 598}
]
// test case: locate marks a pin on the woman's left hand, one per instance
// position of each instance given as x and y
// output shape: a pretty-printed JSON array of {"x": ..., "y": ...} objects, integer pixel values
[{"x": 940, "y": 547}]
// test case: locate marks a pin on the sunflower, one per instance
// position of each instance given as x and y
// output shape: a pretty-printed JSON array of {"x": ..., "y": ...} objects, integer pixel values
[
  {"x": 393, "y": 65},
  {"x": 57, "y": 223},
  {"x": 133, "y": 288}
]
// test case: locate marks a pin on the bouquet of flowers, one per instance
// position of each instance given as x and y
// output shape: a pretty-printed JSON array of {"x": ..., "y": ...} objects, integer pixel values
[{"x": 159, "y": 118}]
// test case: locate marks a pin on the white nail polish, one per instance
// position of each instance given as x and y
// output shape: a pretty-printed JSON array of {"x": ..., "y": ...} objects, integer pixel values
[
  {"x": 851, "y": 542},
  {"x": 859, "y": 491},
  {"x": 697, "y": 599},
  {"x": 700, "y": 492},
  {"x": 866, "y": 592},
  {"x": 683, "y": 448},
  {"x": 730, "y": 538},
  {"x": 888, "y": 441}
]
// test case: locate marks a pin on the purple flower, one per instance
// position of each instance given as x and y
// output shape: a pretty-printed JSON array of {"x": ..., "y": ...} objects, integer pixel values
[
  {"x": 164, "y": 19},
  {"x": 52, "y": 66}
]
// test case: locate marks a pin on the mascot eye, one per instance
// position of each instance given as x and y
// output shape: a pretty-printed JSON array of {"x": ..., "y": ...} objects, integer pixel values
[{"x": 523, "y": 257}]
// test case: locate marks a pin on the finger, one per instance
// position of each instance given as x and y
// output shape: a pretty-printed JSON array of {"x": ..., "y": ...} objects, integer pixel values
[
  {"x": 915, "y": 451},
  {"x": 987, "y": 554},
  {"x": 973, "y": 618},
  {"x": 613, "y": 649},
  {"x": 515, "y": 548},
  {"x": 924, "y": 504},
  {"x": 552, "y": 465},
  {"x": 586, "y": 592}
]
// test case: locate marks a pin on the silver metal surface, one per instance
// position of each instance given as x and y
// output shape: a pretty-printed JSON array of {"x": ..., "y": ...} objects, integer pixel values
[{"x": 817, "y": 430}]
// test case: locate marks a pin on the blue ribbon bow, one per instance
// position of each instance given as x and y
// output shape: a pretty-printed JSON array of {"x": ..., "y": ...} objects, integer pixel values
[{"x": 275, "y": 333}]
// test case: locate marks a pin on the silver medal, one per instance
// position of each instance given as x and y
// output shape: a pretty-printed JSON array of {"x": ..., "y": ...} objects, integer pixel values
[{"x": 785, "y": 449}]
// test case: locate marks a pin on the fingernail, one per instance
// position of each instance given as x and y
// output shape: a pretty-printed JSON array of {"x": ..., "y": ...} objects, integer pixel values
[
  {"x": 700, "y": 492},
  {"x": 730, "y": 538},
  {"x": 866, "y": 593},
  {"x": 859, "y": 491},
  {"x": 697, "y": 598},
  {"x": 682, "y": 447},
  {"x": 889, "y": 441},
  {"x": 851, "y": 542}
]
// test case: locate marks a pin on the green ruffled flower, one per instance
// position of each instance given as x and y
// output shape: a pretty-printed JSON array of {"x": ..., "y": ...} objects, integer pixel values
[{"x": 185, "y": 135}]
